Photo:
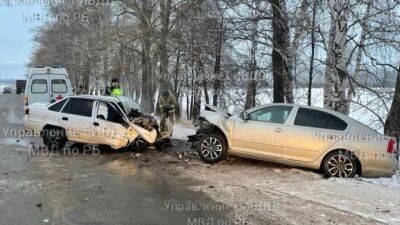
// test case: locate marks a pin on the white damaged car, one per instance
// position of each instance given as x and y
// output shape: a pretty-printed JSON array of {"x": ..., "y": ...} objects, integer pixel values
[{"x": 98, "y": 120}]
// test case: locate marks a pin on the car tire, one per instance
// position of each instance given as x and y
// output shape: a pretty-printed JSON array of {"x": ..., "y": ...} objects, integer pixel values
[
  {"x": 212, "y": 148},
  {"x": 138, "y": 145},
  {"x": 54, "y": 138},
  {"x": 341, "y": 164}
]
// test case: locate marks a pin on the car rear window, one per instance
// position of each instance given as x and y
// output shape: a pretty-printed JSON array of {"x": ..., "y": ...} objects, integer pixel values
[
  {"x": 58, "y": 86},
  {"x": 39, "y": 86},
  {"x": 58, "y": 106},
  {"x": 80, "y": 107},
  {"x": 318, "y": 119}
]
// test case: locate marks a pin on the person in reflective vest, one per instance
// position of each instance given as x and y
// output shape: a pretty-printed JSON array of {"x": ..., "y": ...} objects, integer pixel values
[{"x": 115, "y": 89}]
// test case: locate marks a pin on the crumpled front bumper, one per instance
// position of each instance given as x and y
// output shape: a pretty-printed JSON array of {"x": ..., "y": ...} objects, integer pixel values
[{"x": 203, "y": 128}]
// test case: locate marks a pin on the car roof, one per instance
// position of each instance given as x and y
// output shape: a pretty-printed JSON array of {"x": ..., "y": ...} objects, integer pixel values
[
  {"x": 47, "y": 71},
  {"x": 96, "y": 97}
]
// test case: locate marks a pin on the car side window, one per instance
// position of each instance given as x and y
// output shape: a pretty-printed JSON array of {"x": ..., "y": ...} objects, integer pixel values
[
  {"x": 58, "y": 106},
  {"x": 80, "y": 107},
  {"x": 271, "y": 114},
  {"x": 109, "y": 113},
  {"x": 318, "y": 119},
  {"x": 39, "y": 86}
]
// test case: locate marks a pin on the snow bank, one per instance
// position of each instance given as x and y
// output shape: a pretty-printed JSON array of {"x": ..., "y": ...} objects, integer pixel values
[
  {"x": 389, "y": 182},
  {"x": 181, "y": 131}
]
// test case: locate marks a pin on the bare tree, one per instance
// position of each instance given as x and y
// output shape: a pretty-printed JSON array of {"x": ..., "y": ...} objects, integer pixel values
[
  {"x": 280, "y": 40},
  {"x": 336, "y": 62}
]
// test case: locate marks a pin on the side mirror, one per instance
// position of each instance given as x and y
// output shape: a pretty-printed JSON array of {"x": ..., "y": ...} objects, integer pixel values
[{"x": 244, "y": 115}]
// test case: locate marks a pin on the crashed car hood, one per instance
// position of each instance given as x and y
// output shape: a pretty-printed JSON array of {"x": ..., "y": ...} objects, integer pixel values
[
  {"x": 149, "y": 136},
  {"x": 217, "y": 110}
]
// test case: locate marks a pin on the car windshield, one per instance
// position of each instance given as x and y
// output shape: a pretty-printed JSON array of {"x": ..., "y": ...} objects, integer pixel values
[{"x": 128, "y": 104}]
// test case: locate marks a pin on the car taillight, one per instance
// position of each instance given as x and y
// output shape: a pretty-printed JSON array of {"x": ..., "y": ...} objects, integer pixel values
[
  {"x": 59, "y": 97},
  {"x": 26, "y": 100},
  {"x": 391, "y": 147}
]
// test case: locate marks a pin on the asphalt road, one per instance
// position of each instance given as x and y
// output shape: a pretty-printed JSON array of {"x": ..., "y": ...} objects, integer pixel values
[{"x": 79, "y": 187}]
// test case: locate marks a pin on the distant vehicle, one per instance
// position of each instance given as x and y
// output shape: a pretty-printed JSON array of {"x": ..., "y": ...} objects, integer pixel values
[
  {"x": 47, "y": 85},
  {"x": 20, "y": 86},
  {"x": 6, "y": 90},
  {"x": 299, "y": 136},
  {"x": 99, "y": 120}
]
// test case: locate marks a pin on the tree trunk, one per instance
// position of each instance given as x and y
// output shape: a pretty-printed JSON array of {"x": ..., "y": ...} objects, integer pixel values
[
  {"x": 310, "y": 75},
  {"x": 165, "y": 84},
  {"x": 205, "y": 89},
  {"x": 336, "y": 73},
  {"x": 251, "y": 85},
  {"x": 147, "y": 93},
  {"x": 360, "y": 50},
  {"x": 279, "y": 59},
  {"x": 177, "y": 84},
  {"x": 196, "y": 95},
  {"x": 392, "y": 123},
  {"x": 217, "y": 68}
]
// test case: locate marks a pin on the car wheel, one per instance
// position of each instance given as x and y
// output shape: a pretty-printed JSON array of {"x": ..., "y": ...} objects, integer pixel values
[
  {"x": 54, "y": 138},
  {"x": 138, "y": 145},
  {"x": 340, "y": 164},
  {"x": 212, "y": 148}
]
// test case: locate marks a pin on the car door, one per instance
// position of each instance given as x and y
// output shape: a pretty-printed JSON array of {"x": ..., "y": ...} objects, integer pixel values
[
  {"x": 58, "y": 87},
  {"x": 110, "y": 125},
  {"x": 312, "y": 133},
  {"x": 262, "y": 133},
  {"x": 77, "y": 120}
]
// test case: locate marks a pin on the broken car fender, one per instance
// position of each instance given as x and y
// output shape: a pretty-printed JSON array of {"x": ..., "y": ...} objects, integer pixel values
[
  {"x": 219, "y": 120},
  {"x": 149, "y": 136}
]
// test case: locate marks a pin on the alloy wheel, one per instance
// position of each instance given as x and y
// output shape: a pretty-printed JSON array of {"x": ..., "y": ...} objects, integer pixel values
[
  {"x": 211, "y": 148},
  {"x": 54, "y": 137},
  {"x": 340, "y": 166}
]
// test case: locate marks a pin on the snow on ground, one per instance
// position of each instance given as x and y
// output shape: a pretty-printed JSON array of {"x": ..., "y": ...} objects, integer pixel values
[
  {"x": 15, "y": 142},
  {"x": 393, "y": 182},
  {"x": 290, "y": 193},
  {"x": 368, "y": 200},
  {"x": 181, "y": 131}
]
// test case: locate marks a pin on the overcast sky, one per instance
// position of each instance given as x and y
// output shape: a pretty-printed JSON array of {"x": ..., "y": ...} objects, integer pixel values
[{"x": 16, "y": 31}]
